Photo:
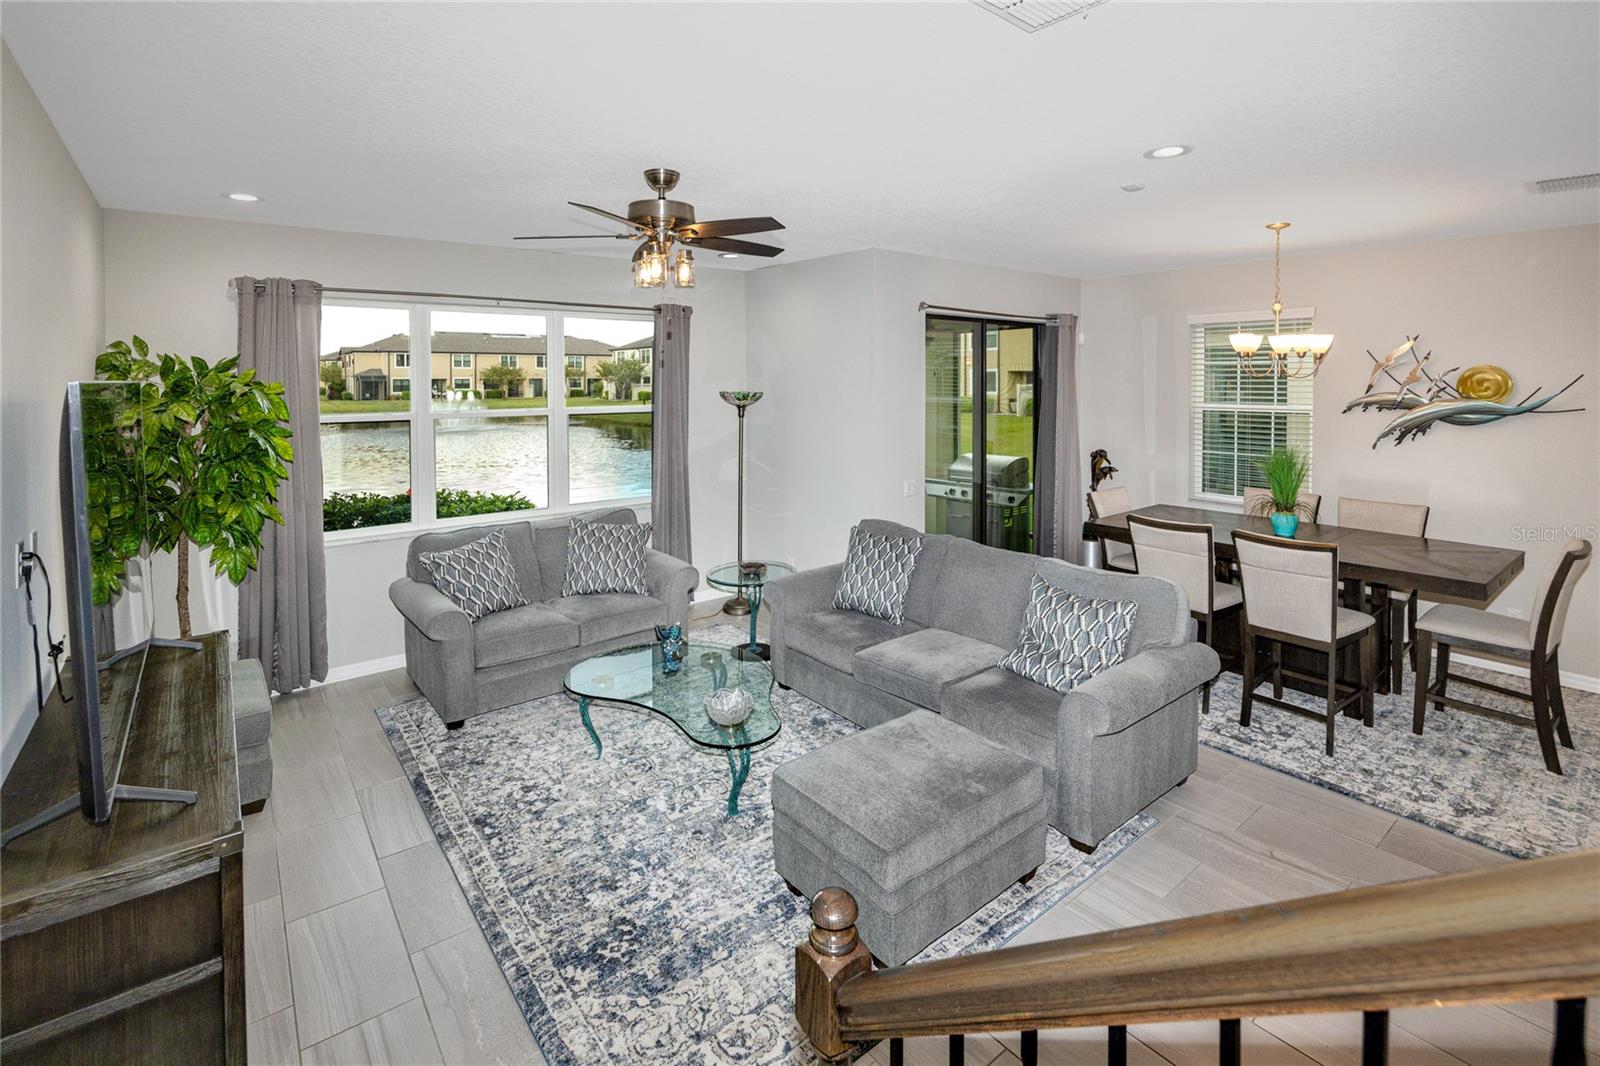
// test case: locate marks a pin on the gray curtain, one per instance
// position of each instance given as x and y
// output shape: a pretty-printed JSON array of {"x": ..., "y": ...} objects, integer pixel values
[
  {"x": 283, "y": 610},
  {"x": 669, "y": 462},
  {"x": 1058, "y": 474}
]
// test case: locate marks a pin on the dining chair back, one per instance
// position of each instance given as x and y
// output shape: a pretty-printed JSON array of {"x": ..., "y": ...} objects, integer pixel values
[
  {"x": 1291, "y": 595},
  {"x": 1546, "y": 629},
  {"x": 1181, "y": 552},
  {"x": 1114, "y": 555},
  {"x": 1290, "y": 586},
  {"x": 1382, "y": 516},
  {"x": 1536, "y": 642},
  {"x": 1109, "y": 501},
  {"x": 1185, "y": 554},
  {"x": 1398, "y": 615}
]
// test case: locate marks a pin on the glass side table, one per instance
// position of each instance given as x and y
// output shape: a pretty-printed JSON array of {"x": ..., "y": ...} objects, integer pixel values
[{"x": 729, "y": 578}]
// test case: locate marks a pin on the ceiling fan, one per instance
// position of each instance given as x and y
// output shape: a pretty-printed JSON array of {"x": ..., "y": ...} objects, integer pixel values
[{"x": 658, "y": 224}]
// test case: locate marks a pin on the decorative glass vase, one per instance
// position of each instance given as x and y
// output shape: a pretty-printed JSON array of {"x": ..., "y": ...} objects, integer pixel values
[
  {"x": 1284, "y": 523},
  {"x": 672, "y": 647},
  {"x": 729, "y": 707}
]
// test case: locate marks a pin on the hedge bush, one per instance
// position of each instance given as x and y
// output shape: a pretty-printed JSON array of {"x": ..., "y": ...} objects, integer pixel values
[
  {"x": 642, "y": 396},
  {"x": 362, "y": 510}
]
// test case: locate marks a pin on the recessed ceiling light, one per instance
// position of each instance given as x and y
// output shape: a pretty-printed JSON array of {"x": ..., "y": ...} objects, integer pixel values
[
  {"x": 1133, "y": 186},
  {"x": 243, "y": 197},
  {"x": 1170, "y": 151},
  {"x": 727, "y": 255}
]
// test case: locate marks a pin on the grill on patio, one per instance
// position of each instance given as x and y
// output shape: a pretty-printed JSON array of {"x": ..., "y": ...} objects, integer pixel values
[{"x": 1008, "y": 500}]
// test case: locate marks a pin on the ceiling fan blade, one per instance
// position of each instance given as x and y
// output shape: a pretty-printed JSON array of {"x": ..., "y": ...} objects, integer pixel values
[
  {"x": 607, "y": 214},
  {"x": 578, "y": 237},
  {"x": 730, "y": 227},
  {"x": 723, "y": 244}
]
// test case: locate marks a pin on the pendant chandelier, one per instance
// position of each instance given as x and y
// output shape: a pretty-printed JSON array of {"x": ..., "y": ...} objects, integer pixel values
[{"x": 1306, "y": 349}]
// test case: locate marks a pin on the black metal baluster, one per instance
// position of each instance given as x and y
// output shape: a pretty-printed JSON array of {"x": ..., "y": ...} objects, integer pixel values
[
  {"x": 958, "y": 1049},
  {"x": 1375, "y": 1038},
  {"x": 1030, "y": 1047},
  {"x": 897, "y": 1052},
  {"x": 1117, "y": 1046},
  {"x": 1568, "y": 1050},
  {"x": 1228, "y": 1051}
]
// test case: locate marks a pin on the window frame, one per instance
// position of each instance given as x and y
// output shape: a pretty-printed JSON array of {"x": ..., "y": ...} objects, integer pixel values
[
  {"x": 1253, "y": 321},
  {"x": 420, "y": 417}
]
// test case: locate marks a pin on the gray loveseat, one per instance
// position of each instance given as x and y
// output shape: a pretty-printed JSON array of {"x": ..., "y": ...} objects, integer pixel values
[
  {"x": 466, "y": 668},
  {"x": 1108, "y": 748}
]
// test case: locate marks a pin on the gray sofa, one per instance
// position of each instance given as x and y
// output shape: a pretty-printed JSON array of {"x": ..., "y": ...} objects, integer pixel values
[
  {"x": 466, "y": 668},
  {"x": 1108, "y": 748}
]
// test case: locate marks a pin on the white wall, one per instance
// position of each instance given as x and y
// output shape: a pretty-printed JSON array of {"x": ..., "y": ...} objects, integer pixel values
[
  {"x": 51, "y": 277},
  {"x": 167, "y": 276},
  {"x": 838, "y": 345},
  {"x": 1525, "y": 301}
]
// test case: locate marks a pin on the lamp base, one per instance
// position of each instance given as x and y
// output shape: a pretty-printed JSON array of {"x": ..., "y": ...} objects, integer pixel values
[{"x": 738, "y": 606}]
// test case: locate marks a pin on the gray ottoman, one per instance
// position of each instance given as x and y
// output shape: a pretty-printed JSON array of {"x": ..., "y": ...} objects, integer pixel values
[
  {"x": 923, "y": 821},
  {"x": 252, "y": 724}
]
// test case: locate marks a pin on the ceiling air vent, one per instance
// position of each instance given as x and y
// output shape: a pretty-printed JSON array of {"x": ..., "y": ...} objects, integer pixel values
[
  {"x": 1035, "y": 15},
  {"x": 1570, "y": 184}
]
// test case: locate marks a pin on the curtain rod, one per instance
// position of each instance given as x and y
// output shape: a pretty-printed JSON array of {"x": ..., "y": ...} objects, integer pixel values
[
  {"x": 926, "y": 306},
  {"x": 260, "y": 286}
]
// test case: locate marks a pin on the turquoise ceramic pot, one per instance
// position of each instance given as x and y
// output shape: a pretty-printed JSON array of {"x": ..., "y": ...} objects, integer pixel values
[{"x": 1284, "y": 524}]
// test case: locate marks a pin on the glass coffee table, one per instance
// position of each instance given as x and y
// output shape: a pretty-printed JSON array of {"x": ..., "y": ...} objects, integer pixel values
[
  {"x": 633, "y": 677},
  {"x": 729, "y": 578}
]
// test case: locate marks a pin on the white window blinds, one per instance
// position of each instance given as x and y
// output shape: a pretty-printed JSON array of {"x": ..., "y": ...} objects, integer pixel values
[{"x": 1236, "y": 419}]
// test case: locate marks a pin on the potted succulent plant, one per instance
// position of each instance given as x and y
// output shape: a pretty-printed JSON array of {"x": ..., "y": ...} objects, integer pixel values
[{"x": 1285, "y": 471}]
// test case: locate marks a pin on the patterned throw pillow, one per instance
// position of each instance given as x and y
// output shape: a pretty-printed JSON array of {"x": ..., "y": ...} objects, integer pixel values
[
  {"x": 877, "y": 574},
  {"x": 606, "y": 557},
  {"x": 478, "y": 577},
  {"x": 1067, "y": 638}
]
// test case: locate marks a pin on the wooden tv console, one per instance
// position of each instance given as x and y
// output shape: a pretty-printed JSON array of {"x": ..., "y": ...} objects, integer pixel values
[{"x": 125, "y": 942}]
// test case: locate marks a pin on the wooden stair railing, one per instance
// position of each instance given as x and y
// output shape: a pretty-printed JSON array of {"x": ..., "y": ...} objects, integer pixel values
[{"x": 1520, "y": 931}]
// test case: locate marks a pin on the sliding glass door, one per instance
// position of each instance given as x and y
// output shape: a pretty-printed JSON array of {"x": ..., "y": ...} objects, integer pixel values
[{"x": 979, "y": 418}]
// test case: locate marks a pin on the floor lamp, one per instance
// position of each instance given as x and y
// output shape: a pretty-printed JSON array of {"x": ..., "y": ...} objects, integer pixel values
[{"x": 740, "y": 400}]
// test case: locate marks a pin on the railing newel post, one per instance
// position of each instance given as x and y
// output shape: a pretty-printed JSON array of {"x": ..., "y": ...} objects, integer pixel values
[
  {"x": 1229, "y": 1039},
  {"x": 830, "y": 956}
]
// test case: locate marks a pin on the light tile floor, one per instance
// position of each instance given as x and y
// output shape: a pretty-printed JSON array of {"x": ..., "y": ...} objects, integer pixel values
[{"x": 361, "y": 949}]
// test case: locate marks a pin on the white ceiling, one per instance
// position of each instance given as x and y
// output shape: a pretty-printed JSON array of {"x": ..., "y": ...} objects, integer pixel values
[{"x": 924, "y": 127}]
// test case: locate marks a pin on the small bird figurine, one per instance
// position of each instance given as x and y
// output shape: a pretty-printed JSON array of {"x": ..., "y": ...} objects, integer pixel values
[
  {"x": 1415, "y": 375},
  {"x": 1389, "y": 360}
]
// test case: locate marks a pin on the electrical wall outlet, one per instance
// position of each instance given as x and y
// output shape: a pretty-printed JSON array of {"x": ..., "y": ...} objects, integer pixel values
[
  {"x": 910, "y": 489},
  {"x": 29, "y": 545},
  {"x": 22, "y": 546}
]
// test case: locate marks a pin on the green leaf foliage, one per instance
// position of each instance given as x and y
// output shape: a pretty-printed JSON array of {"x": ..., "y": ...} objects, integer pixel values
[
  {"x": 216, "y": 445},
  {"x": 1285, "y": 471}
]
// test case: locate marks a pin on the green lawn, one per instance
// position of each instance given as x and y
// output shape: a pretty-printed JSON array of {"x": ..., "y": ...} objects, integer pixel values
[
  {"x": 366, "y": 407},
  {"x": 1009, "y": 435}
]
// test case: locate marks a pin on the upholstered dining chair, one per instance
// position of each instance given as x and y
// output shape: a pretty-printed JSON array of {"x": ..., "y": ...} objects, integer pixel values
[
  {"x": 1258, "y": 502},
  {"x": 1114, "y": 555},
  {"x": 1291, "y": 596},
  {"x": 1395, "y": 609},
  {"x": 1185, "y": 554},
  {"x": 1536, "y": 641}
]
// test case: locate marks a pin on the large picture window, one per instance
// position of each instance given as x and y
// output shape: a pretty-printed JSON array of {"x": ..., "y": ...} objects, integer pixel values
[
  {"x": 1237, "y": 419},
  {"x": 430, "y": 414}
]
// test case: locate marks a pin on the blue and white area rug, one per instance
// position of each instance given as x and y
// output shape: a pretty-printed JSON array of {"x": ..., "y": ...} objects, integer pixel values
[
  {"x": 1471, "y": 776},
  {"x": 635, "y": 921}
]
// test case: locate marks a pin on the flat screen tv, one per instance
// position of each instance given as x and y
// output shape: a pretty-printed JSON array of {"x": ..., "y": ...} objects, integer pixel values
[{"x": 110, "y": 611}]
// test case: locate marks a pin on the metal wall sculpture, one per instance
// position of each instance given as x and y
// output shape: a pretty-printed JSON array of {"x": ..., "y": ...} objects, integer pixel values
[{"x": 1477, "y": 396}]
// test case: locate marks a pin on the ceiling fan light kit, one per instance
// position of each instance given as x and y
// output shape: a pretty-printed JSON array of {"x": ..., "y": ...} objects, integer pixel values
[
  {"x": 1300, "y": 346},
  {"x": 660, "y": 223}
]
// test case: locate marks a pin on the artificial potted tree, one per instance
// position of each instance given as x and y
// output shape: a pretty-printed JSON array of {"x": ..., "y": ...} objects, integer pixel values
[
  {"x": 1285, "y": 471},
  {"x": 216, "y": 440}
]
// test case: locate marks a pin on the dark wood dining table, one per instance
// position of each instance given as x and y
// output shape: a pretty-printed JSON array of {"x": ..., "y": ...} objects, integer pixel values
[{"x": 1436, "y": 569}]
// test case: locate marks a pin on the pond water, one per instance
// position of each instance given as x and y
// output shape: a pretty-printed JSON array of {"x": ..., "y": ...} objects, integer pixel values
[{"x": 608, "y": 457}]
